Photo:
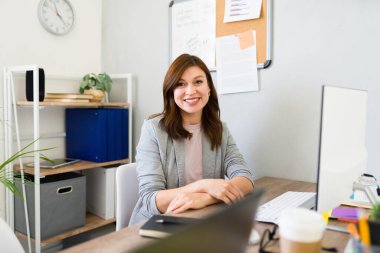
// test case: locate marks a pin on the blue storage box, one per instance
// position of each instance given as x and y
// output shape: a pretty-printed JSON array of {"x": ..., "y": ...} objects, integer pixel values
[{"x": 97, "y": 135}]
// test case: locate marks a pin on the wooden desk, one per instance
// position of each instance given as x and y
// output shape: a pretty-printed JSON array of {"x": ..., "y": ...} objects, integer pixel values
[{"x": 127, "y": 239}]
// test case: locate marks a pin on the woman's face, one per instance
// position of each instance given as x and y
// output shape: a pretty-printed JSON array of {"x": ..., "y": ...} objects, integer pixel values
[{"x": 192, "y": 94}]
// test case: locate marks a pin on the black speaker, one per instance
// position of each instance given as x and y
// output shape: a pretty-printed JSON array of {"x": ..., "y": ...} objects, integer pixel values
[{"x": 29, "y": 85}]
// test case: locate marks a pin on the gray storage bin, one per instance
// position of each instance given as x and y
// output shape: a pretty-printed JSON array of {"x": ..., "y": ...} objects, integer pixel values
[{"x": 63, "y": 204}]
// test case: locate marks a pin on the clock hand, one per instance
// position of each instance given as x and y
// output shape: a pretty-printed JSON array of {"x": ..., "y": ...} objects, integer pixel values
[
  {"x": 63, "y": 21},
  {"x": 60, "y": 17},
  {"x": 56, "y": 11}
]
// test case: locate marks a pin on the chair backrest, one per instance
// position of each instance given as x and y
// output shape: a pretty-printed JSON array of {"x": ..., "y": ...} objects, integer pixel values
[
  {"x": 8, "y": 239},
  {"x": 127, "y": 193}
]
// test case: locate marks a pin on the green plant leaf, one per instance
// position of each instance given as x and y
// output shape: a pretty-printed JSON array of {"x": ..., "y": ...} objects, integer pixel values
[
  {"x": 5, "y": 177},
  {"x": 101, "y": 81},
  {"x": 375, "y": 212},
  {"x": 21, "y": 153},
  {"x": 11, "y": 186}
]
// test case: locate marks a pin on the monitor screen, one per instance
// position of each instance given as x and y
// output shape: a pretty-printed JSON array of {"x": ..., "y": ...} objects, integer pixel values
[{"x": 342, "y": 151}]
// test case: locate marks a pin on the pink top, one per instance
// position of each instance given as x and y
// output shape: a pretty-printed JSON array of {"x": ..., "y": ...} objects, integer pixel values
[{"x": 193, "y": 154}]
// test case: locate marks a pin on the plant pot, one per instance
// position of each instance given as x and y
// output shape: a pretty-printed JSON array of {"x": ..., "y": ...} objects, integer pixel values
[{"x": 97, "y": 95}]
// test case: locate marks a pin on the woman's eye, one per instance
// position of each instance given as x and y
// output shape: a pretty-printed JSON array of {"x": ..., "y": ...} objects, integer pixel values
[
  {"x": 198, "y": 82},
  {"x": 180, "y": 84}
]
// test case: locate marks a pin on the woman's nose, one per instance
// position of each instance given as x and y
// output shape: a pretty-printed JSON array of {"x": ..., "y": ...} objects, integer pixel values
[{"x": 190, "y": 89}]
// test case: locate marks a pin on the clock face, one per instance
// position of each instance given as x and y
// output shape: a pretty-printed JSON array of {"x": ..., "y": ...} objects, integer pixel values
[{"x": 56, "y": 16}]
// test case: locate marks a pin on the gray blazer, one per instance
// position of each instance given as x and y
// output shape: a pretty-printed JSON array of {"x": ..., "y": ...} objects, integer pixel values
[{"x": 161, "y": 165}]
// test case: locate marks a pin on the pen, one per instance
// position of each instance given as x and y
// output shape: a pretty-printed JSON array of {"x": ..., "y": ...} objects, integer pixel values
[
  {"x": 353, "y": 230},
  {"x": 364, "y": 232}
]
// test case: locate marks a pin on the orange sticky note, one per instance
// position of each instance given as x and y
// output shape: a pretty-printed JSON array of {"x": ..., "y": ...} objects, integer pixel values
[{"x": 246, "y": 39}]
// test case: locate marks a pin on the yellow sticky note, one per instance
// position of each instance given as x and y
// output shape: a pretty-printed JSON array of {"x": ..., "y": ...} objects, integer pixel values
[
  {"x": 326, "y": 215},
  {"x": 246, "y": 39}
]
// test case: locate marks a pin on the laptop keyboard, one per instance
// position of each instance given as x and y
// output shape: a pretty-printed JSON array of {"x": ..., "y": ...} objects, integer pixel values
[{"x": 270, "y": 211}]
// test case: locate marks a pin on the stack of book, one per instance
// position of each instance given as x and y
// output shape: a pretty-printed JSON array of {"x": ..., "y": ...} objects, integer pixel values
[{"x": 67, "y": 97}]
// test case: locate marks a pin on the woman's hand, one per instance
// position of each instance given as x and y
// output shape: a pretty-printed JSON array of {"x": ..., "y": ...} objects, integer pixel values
[
  {"x": 221, "y": 189},
  {"x": 193, "y": 200}
]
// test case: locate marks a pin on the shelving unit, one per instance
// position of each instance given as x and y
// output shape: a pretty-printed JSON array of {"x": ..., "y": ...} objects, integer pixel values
[
  {"x": 11, "y": 121},
  {"x": 92, "y": 222},
  {"x": 67, "y": 104},
  {"x": 79, "y": 166}
]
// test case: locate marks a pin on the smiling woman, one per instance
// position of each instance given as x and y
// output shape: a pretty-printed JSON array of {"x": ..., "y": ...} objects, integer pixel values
[
  {"x": 186, "y": 152},
  {"x": 192, "y": 94}
]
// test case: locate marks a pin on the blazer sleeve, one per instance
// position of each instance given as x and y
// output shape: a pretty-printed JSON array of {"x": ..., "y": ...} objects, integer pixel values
[
  {"x": 234, "y": 162},
  {"x": 149, "y": 168}
]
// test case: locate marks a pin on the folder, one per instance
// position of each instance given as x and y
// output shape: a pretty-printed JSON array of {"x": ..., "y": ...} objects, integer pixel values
[{"x": 97, "y": 135}]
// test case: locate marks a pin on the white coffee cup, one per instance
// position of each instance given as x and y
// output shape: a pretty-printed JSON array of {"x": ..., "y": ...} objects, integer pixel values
[{"x": 301, "y": 230}]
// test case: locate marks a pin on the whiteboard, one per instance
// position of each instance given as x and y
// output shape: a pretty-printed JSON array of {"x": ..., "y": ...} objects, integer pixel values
[{"x": 192, "y": 29}]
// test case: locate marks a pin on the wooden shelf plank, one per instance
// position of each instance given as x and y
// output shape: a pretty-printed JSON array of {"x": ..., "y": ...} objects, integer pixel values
[
  {"x": 81, "y": 165},
  {"x": 92, "y": 222},
  {"x": 71, "y": 104}
]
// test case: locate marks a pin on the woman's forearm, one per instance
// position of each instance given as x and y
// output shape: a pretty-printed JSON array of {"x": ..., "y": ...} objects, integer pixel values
[
  {"x": 243, "y": 183},
  {"x": 164, "y": 197}
]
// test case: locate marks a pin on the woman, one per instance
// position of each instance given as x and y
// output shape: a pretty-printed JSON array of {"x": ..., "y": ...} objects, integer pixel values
[{"x": 185, "y": 152}]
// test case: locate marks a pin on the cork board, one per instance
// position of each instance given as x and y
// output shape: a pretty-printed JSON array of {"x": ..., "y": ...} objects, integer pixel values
[{"x": 262, "y": 26}]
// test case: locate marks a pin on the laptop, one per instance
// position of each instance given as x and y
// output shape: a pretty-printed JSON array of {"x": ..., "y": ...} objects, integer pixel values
[{"x": 223, "y": 232}]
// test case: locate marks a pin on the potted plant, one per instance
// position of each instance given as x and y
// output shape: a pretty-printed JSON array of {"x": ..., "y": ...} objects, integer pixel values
[
  {"x": 96, "y": 85},
  {"x": 374, "y": 224}
]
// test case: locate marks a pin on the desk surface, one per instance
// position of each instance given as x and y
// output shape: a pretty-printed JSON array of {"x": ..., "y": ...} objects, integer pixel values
[{"x": 128, "y": 238}]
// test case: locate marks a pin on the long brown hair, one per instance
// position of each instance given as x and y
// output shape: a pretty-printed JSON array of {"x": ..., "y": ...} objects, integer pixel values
[{"x": 172, "y": 121}]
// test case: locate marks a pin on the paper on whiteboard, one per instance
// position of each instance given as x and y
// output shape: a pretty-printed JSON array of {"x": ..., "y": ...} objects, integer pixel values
[
  {"x": 237, "y": 68},
  {"x": 193, "y": 30},
  {"x": 238, "y": 10}
]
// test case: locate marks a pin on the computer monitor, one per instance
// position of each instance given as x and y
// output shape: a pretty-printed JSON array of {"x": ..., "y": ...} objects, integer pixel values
[{"x": 342, "y": 151}]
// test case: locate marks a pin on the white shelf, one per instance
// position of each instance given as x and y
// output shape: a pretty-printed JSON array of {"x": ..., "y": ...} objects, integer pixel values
[{"x": 11, "y": 127}]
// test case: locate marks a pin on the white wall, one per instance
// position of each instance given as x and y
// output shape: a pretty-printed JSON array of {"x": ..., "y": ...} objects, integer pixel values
[
  {"x": 135, "y": 40},
  {"x": 24, "y": 41},
  {"x": 316, "y": 42}
]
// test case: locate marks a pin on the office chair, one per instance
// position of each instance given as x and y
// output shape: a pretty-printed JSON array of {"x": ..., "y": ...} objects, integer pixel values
[
  {"x": 8, "y": 239},
  {"x": 127, "y": 193}
]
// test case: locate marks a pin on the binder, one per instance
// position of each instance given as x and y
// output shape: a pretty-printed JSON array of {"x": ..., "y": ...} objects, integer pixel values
[{"x": 97, "y": 134}]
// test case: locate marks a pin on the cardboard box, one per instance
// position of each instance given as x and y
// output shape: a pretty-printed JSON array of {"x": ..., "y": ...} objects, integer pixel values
[{"x": 101, "y": 198}]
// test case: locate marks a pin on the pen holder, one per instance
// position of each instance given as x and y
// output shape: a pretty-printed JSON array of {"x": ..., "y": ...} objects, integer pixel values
[{"x": 374, "y": 231}]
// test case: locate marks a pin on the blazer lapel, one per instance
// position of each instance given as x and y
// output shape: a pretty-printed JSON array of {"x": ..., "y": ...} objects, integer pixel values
[{"x": 179, "y": 150}]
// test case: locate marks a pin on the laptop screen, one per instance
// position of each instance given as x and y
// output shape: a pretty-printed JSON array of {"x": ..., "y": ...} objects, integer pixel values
[{"x": 225, "y": 231}]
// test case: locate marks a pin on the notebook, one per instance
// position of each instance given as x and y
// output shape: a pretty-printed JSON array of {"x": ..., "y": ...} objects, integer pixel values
[
  {"x": 223, "y": 232},
  {"x": 159, "y": 226}
]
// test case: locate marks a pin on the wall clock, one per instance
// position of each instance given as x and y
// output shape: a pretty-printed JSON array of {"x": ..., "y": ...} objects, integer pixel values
[{"x": 56, "y": 16}]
